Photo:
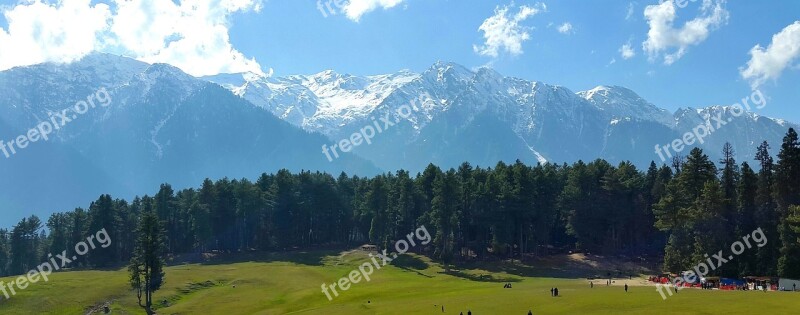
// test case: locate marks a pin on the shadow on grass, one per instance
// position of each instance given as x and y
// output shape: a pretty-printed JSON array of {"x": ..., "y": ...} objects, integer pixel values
[
  {"x": 411, "y": 264},
  {"x": 184, "y": 291},
  {"x": 480, "y": 277},
  {"x": 308, "y": 258},
  {"x": 556, "y": 266},
  {"x": 561, "y": 269}
]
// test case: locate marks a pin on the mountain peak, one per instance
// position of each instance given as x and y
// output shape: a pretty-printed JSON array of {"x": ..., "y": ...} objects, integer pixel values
[
  {"x": 488, "y": 73},
  {"x": 621, "y": 102},
  {"x": 158, "y": 70},
  {"x": 610, "y": 91}
]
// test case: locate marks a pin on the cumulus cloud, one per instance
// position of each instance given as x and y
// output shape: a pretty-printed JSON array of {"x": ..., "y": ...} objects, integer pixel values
[
  {"x": 39, "y": 32},
  {"x": 768, "y": 63},
  {"x": 565, "y": 28},
  {"x": 664, "y": 38},
  {"x": 354, "y": 9},
  {"x": 627, "y": 52},
  {"x": 192, "y": 35},
  {"x": 504, "y": 32}
]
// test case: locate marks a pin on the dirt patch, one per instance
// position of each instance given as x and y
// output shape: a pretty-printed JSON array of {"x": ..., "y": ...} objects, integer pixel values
[{"x": 100, "y": 308}]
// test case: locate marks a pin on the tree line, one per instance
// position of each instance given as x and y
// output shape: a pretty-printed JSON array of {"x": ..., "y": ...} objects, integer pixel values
[{"x": 682, "y": 211}]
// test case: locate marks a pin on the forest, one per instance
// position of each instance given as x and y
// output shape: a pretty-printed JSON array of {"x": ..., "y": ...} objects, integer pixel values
[{"x": 678, "y": 212}]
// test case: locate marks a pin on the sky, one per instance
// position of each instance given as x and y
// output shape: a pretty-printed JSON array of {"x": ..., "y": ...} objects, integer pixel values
[{"x": 681, "y": 53}]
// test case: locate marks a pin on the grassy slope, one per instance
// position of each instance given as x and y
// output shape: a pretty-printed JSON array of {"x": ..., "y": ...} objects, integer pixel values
[{"x": 291, "y": 285}]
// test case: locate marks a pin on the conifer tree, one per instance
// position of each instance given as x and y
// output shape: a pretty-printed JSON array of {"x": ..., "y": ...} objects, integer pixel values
[{"x": 146, "y": 268}]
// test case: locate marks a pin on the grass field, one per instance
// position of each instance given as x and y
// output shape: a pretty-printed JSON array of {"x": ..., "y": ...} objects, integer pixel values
[{"x": 290, "y": 284}]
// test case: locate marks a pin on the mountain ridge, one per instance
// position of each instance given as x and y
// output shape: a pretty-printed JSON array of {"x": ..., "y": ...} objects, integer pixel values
[{"x": 603, "y": 115}]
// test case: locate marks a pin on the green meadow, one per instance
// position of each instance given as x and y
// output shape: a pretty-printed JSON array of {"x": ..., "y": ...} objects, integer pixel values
[{"x": 291, "y": 284}]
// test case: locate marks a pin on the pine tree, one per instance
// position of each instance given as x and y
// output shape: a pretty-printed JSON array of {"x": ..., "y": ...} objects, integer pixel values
[
  {"x": 444, "y": 215},
  {"x": 80, "y": 228},
  {"x": 729, "y": 180},
  {"x": 284, "y": 192},
  {"x": 679, "y": 213},
  {"x": 766, "y": 216},
  {"x": 4, "y": 254},
  {"x": 584, "y": 215},
  {"x": 102, "y": 215},
  {"x": 746, "y": 221},
  {"x": 146, "y": 268},
  {"x": 376, "y": 203},
  {"x": 787, "y": 194},
  {"x": 707, "y": 223},
  {"x": 59, "y": 226},
  {"x": 24, "y": 245},
  {"x": 166, "y": 208},
  {"x": 794, "y": 220}
]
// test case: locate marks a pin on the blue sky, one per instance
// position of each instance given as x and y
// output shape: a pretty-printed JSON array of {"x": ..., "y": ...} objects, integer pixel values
[{"x": 295, "y": 37}]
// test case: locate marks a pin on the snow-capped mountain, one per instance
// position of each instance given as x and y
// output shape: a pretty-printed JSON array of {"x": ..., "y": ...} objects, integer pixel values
[
  {"x": 621, "y": 103},
  {"x": 161, "y": 125},
  {"x": 482, "y": 116}
]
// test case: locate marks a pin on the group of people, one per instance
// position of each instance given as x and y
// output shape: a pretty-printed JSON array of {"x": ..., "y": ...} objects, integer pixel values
[
  {"x": 553, "y": 293},
  {"x": 657, "y": 279}
]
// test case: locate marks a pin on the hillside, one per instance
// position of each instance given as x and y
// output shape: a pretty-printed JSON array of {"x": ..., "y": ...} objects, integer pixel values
[{"x": 290, "y": 284}]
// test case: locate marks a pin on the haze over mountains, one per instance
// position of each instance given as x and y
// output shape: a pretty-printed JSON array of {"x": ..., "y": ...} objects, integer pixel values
[
  {"x": 166, "y": 126},
  {"x": 162, "y": 126}
]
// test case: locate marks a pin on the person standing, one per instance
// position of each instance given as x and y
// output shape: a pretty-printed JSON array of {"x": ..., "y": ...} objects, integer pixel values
[
  {"x": 552, "y": 292},
  {"x": 591, "y": 284},
  {"x": 626, "y": 288}
]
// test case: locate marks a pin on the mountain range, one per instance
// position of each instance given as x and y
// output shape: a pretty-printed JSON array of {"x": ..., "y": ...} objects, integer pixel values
[
  {"x": 163, "y": 125},
  {"x": 482, "y": 117}
]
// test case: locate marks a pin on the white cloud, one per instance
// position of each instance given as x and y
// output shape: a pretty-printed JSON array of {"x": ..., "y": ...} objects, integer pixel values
[
  {"x": 39, "y": 32},
  {"x": 192, "y": 35},
  {"x": 354, "y": 9},
  {"x": 627, "y": 52},
  {"x": 565, "y": 28},
  {"x": 504, "y": 33},
  {"x": 629, "y": 15},
  {"x": 769, "y": 63},
  {"x": 665, "y": 39}
]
